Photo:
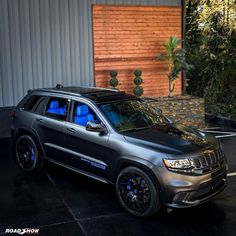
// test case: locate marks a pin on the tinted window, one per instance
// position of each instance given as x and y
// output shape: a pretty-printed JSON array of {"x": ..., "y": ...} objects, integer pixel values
[
  {"x": 132, "y": 114},
  {"x": 57, "y": 108},
  {"x": 39, "y": 108},
  {"x": 31, "y": 102},
  {"x": 82, "y": 114}
]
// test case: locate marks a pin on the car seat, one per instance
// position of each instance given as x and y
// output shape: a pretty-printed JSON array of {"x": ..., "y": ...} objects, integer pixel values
[
  {"x": 83, "y": 115},
  {"x": 55, "y": 109},
  {"x": 111, "y": 114}
]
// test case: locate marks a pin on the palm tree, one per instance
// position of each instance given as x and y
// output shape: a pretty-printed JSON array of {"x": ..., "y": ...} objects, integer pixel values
[{"x": 175, "y": 58}]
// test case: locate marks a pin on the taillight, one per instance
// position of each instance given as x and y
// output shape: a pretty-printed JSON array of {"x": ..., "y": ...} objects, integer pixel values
[{"x": 13, "y": 114}]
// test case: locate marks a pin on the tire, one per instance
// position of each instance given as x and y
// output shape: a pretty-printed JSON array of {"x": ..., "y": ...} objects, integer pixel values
[
  {"x": 137, "y": 193},
  {"x": 27, "y": 154}
]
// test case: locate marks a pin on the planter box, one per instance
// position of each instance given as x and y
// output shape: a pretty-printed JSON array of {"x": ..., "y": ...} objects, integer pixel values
[
  {"x": 222, "y": 121},
  {"x": 186, "y": 110}
]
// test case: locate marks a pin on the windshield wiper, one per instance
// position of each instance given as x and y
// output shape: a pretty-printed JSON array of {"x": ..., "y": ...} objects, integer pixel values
[
  {"x": 141, "y": 128},
  {"x": 158, "y": 124},
  {"x": 134, "y": 129}
]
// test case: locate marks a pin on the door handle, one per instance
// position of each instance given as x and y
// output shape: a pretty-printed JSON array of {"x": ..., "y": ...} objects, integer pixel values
[
  {"x": 72, "y": 130},
  {"x": 40, "y": 120}
]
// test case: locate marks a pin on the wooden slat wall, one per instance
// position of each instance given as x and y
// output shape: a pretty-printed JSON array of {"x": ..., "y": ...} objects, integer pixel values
[{"x": 128, "y": 38}]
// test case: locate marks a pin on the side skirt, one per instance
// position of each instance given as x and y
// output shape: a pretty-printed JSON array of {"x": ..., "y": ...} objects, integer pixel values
[{"x": 79, "y": 171}]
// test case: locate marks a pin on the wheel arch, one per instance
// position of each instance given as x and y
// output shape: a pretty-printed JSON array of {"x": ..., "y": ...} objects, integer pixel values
[
  {"x": 144, "y": 165},
  {"x": 146, "y": 173},
  {"x": 24, "y": 131}
]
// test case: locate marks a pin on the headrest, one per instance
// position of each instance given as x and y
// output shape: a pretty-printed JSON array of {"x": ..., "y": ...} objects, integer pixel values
[
  {"x": 82, "y": 110},
  {"x": 107, "y": 107},
  {"x": 54, "y": 104}
]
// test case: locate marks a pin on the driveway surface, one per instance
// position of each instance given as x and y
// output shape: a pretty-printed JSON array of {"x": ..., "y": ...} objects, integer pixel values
[{"x": 60, "y": 202}]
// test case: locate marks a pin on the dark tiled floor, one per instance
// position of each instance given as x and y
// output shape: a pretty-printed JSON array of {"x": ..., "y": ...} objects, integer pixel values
[
  {"x": 26, "y": 199},
  {"x": 62, "y": 229},
  {"x": 86, "y": 197},
  {"x": 60, "y": 202}
]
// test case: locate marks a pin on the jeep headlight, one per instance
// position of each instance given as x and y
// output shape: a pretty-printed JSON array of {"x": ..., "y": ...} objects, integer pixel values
[{"x": 177, "y": 164}]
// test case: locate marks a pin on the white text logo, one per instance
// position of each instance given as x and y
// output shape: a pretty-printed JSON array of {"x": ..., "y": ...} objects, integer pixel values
[{"x": 22, "y": 231}]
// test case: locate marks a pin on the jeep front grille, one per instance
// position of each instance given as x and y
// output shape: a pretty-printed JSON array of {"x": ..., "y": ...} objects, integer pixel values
[{"x": 208, "y": 161}]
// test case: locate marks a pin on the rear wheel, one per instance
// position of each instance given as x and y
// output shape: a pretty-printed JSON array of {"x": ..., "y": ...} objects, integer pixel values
[
  {"x": 137, "y": 193},
  {"x": 27, "y": 154}
]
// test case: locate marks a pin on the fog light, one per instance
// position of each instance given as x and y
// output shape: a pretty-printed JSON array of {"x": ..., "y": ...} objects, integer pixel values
[{"x": 180, "y": 197}]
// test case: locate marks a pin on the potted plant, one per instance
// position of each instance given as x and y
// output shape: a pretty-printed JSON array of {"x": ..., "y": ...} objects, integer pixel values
[
  {"x": 138, "y": 89},
  {"x": 114, "y": 81},
  {"x": 175, "y": 57}
]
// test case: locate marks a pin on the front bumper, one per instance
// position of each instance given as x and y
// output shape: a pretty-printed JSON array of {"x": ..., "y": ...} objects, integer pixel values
[{"x": 182, "y": 190}]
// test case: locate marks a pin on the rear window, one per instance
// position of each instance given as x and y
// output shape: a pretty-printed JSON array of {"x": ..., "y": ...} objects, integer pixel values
[
  {"x": 30, "y": 103},
  {"x": 57, "y": 108},
  {"x": 40, "y": 106}
]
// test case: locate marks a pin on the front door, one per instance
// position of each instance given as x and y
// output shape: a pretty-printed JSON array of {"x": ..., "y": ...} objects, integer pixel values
[{"x": 88, "y": 151}]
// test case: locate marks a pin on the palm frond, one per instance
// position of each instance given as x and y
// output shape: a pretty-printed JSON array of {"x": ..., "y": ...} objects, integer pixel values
[{"x": 175, "y": 57}]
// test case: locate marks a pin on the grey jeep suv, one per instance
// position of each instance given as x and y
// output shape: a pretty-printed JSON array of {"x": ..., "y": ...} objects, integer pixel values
[{"x": 118, "y": 139}]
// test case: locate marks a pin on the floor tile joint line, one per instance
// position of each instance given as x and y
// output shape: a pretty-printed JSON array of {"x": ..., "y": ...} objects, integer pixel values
[{"x": 66, "y": 205}]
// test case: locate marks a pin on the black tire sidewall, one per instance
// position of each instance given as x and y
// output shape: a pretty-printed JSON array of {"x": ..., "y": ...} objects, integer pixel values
[
  {"x": 154, "y": 204},
  {"x": 34, "y": 145}
]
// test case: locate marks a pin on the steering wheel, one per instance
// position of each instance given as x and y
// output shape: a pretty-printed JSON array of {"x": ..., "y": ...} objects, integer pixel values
[{"x": 134, "y": 116}]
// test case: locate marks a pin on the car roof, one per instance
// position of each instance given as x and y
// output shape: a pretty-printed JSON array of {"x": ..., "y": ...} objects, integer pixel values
[{"x": 98, "y": 95}]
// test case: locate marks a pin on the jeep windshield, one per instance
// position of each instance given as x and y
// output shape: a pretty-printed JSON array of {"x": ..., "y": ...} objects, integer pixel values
[{"x": 132, "y": 115}]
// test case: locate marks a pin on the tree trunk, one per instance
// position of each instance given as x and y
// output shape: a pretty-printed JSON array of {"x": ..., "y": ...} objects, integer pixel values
[{"x": 171, "y": 87}]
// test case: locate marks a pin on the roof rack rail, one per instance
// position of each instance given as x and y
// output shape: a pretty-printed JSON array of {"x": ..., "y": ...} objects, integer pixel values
[{"x": 101, "y": 88}]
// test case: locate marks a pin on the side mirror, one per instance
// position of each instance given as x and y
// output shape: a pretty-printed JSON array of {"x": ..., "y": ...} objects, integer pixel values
[
  {"x": 170, "y": 120},
  {"x": 96, "y": 127}
]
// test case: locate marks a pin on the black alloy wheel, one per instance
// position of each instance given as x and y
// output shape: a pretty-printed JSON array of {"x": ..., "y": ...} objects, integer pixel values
[
  {"x": 27, "y": 154},
  {"x": 136, "y": 192}
]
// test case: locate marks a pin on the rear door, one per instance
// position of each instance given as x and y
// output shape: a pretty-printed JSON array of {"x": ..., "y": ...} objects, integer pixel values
[{"x": 49, "y": 124}]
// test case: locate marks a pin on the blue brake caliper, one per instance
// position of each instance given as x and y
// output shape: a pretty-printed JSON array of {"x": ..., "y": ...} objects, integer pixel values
[{"x": 33, "y": 156}]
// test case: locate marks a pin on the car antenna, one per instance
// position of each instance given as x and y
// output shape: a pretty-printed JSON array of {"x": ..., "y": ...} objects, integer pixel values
[{"x": 59, "y": 86}]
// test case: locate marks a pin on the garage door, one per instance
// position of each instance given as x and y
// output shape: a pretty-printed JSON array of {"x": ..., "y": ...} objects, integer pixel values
[{"x": 130, "y": 37}]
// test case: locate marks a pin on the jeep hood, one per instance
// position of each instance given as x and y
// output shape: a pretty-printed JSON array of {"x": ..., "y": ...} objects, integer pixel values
[{"x": 171, "y": 139}]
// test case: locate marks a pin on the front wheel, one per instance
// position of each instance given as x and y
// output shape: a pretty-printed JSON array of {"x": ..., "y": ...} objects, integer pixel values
[
  {"x": 137, "y": 193},
  {"x": 27, "y": 154}
]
